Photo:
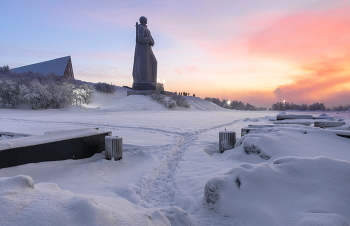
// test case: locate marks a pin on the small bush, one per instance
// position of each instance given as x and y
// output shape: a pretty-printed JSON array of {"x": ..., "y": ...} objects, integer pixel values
[
  {"x": 172, "y": 101},
  {"x": 181, "y": 101},
  {"x": 163, "y": 100},
  {"x": 169, "y": 103},
  {"x": 157, "y": 97},
  {"x": 105, "y": 87}
]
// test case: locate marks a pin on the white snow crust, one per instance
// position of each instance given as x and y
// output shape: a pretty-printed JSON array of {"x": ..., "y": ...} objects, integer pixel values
[
  {"x": 172, "y": 172},
  {"x": 48, "y": 137},
  {"x": 289, "y": 191}
]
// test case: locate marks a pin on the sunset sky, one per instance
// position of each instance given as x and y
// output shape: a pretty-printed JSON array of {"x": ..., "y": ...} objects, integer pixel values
[{"x": 255, "y": 51}]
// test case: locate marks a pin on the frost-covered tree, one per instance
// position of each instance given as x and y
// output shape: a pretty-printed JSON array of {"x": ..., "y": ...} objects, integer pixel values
[
  {"x": 341, "y": 108},
  {"x": 164, "y": 100},
  {"x": 181, "y": 101},
  {"x": 61, "y": 95},
  {"x": 41, "y": 91},
  {"x": 82, "y": 94},
  {"x": 105, "y": 87},
  {"x": 38, "y": 95},
  {"x": 4, "y": 69},
  {"x": 9, "y": 93}
]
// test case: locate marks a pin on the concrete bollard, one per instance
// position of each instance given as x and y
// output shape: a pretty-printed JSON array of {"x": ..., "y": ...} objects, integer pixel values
[
  {"x": 227, "y": 140},
  {"x": 113, "y": 147}
]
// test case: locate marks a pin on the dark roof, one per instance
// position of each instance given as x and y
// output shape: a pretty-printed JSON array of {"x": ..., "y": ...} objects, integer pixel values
[{"x": 57, "y": 66}]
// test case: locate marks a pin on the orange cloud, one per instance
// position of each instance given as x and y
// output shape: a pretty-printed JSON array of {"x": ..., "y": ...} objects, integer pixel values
[
  {"x": 186, "y": 69},
  {"x": 322, "y": 82},
  {"x": 318, "y": 43}
]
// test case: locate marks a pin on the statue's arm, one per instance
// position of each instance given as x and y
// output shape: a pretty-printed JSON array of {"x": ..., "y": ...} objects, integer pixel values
[
  {"x": 141, "y": 38},
  {"x": 152, "y": 42}
]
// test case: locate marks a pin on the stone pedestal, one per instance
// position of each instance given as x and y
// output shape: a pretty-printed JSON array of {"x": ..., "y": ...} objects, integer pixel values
[
  {"x": 148, "y": 86},
  {"x": 148, "y": 92}
]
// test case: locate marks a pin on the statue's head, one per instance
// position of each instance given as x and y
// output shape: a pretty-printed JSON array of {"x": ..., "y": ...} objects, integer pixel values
[{"x": 143, "y": 20}]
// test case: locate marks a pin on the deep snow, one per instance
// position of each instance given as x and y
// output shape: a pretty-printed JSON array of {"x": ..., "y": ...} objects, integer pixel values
[{"x": 170, "y": 158}]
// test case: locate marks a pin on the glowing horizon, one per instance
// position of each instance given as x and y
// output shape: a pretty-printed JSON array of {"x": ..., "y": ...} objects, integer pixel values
[{"x": 255, "y": 52}]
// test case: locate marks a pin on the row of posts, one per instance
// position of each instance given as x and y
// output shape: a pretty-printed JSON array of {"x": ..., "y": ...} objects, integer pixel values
[{"x": 114, "y": 144}]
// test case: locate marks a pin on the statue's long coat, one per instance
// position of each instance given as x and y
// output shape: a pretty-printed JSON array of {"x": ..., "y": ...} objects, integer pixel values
[{"x": 145, "y": 63}]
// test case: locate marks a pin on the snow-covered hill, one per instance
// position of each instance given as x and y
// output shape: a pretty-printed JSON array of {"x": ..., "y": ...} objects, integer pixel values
[{"x": 119, "y": 101}]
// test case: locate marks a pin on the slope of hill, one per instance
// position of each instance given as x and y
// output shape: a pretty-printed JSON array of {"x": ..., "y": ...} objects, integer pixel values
[{"x": 119, "y": 101}]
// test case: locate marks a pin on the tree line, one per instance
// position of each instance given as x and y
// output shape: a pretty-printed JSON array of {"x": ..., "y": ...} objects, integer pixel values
[
  {"x": 280, "y": 106},
  {"x": 41, "y": 91},
  {"x": 237, "y": 105}
]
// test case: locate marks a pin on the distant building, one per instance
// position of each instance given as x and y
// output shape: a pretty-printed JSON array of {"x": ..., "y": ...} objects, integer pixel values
[{"x": 60, "y": 66}]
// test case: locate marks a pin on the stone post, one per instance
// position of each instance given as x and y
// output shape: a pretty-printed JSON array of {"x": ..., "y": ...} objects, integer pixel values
[
  {"x": 227, "y": 140},
  {"x": 114, "y": 147}
]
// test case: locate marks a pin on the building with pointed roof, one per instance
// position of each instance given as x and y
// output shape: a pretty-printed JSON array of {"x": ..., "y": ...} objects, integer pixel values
[{"x": 60, "y": 66}]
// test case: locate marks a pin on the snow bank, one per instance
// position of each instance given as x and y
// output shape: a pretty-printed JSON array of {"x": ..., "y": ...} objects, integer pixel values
[
  {"x": 23, "y": 203},
  {"x": 119, "y": 101},
  {"x": 289, "y": 191},
  {"x": 203, "y": 105},
  {"x": 268, "y": 143}
]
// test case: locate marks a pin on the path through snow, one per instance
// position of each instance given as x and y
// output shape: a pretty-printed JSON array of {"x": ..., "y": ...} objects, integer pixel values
[{"x": 157, "y": 188}]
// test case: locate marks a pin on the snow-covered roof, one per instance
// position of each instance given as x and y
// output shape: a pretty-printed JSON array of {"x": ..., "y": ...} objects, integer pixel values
[
  {"x": 48, "y": 137},
  {"x": 57, "y": 66}
]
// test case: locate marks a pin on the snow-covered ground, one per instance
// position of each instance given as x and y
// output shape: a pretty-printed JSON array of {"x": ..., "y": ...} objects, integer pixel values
[{"x": 172, "y": 172}]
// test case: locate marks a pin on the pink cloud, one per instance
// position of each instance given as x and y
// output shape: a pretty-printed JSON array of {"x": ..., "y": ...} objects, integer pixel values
[
  {"x": 186, "y": 70},
  {"x": 315, "y": 42},
  {"x": 305, "y": 36}
]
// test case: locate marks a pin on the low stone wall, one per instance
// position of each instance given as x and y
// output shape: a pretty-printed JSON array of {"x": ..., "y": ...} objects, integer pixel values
[{"x": 81, "y": 144}]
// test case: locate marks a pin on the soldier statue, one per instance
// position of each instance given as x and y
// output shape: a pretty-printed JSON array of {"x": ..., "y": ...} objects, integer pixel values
[{"x": 145, "y": 63}]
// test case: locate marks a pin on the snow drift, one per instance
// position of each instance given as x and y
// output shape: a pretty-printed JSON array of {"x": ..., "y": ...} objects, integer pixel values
[
  {"x": 268, "y": 143},
  {"x": 23, "y": 203},
  {"x": 289, "y": 191}
]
